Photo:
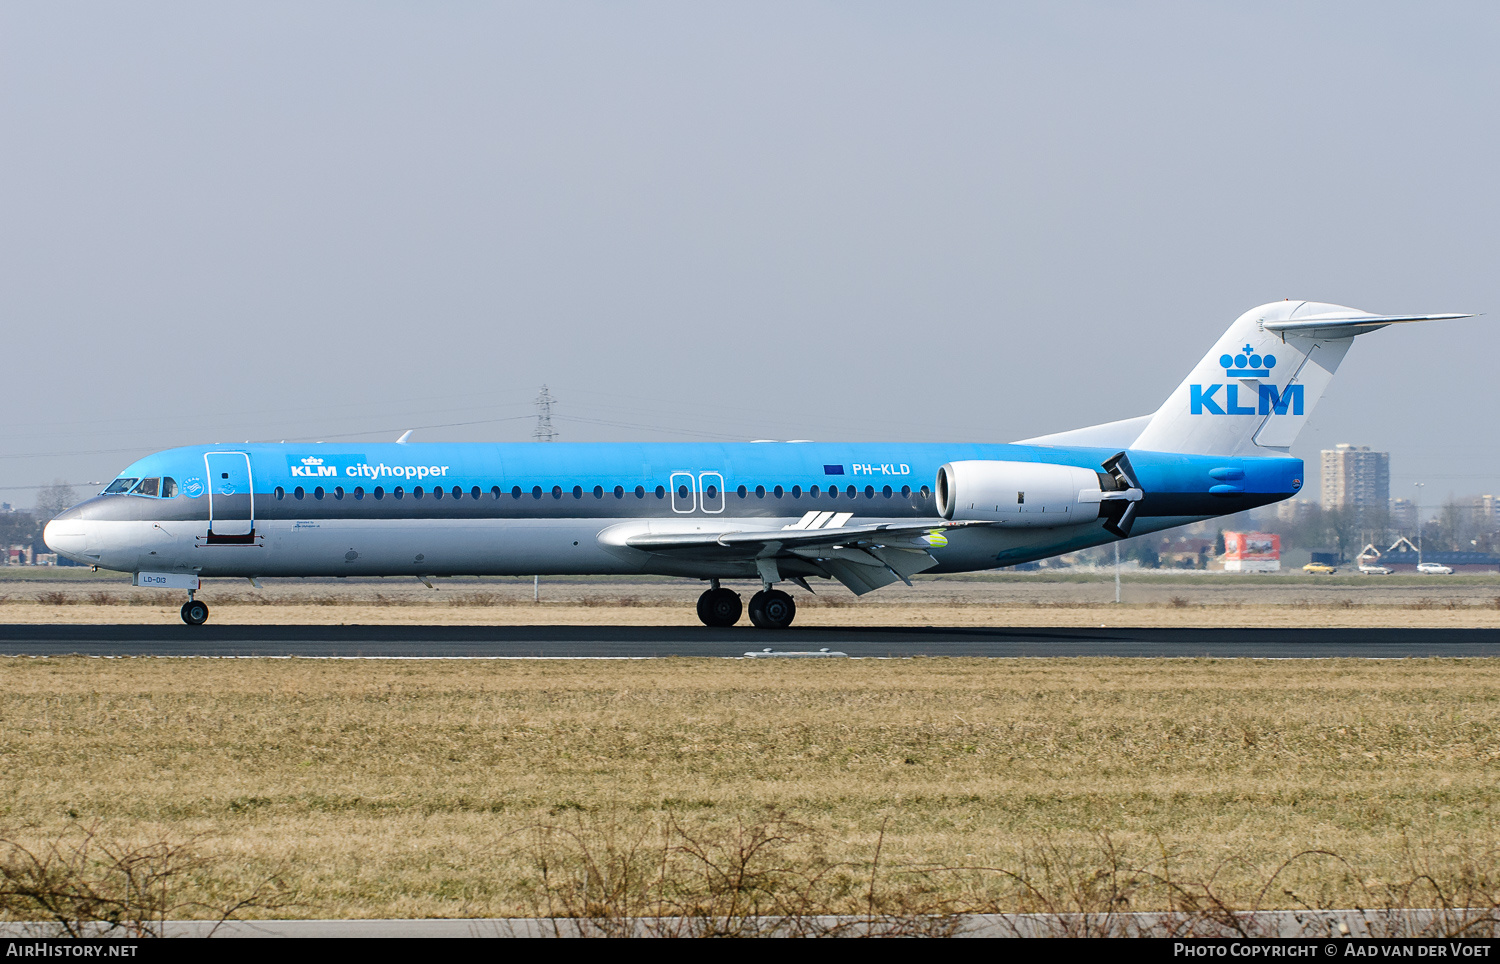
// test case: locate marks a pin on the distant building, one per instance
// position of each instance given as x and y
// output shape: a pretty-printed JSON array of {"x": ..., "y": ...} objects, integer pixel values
[
  {"x": 1356, "y": 478},
  {"x": 1404, "y": 516},
  {"x": 1484, "y": 512},
  {"x": 1293, "y": 510}
]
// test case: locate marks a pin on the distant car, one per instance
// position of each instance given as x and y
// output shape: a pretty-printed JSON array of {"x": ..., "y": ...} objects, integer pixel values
[
  {"x": 1320, "y": 568},
  {"x": 1375, "y": 570},
  {"x": 1434, "y": 569}
]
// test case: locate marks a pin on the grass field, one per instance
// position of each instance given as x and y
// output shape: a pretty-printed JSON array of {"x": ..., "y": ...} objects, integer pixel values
[
  {"x": 1007, "y": 600},
  {"x": 404, "y": 789}
]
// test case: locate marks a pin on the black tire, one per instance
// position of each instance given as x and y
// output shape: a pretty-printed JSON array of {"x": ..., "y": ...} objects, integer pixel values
[
  {"x": 720, "y": 607},
  {"x": 195, "y": 613},
  {"x": 772, "y": 609}
]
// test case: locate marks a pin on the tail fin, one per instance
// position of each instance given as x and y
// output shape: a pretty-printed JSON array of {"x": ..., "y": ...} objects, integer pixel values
[{"x": 1255, "y": 390}]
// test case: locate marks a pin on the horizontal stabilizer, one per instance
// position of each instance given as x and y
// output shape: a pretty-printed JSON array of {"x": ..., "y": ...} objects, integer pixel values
[{"x": 1339, "y": 324}]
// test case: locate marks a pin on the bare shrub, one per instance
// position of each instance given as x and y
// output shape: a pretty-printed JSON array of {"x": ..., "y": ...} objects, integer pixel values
[
  {"x": 104, "y": 599},
  {"x": 477, "y": 599},
  {"x": 1095, "y": 890},
  {"x": 1495, "y": 603},
  {"x": 605, "y": 877},
  {"x": 1346, "y": 604},
  {"x": 55, "y": 598},
  {"x": 1178, "y": 602},
  {"x": 1422, "y": 604},
  {"x": 611, "y": 601},
  {"x": 81, "y": 885}
]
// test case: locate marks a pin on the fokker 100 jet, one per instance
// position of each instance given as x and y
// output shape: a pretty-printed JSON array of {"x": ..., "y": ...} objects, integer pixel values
[{"x": 865, "y": 515}]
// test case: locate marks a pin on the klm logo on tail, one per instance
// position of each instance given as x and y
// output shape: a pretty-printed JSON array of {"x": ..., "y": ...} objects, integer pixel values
[{"x": 1205, "y": 399}]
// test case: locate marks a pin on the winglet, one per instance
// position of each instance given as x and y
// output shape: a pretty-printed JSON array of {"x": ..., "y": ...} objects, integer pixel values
[{"x": 404, "y": 436}]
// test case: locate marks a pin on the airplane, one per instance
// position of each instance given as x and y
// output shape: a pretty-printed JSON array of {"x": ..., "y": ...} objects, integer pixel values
[{"x": 864, "y": 515}]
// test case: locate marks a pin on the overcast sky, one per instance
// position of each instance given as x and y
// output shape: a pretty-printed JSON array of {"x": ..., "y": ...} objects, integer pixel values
[{"x": 851, "y": 221}]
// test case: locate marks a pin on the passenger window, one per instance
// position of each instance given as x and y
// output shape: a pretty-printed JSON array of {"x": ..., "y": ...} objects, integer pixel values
[
  {"x": 415, "y": 493},
  {"x": 741, "y": 492},
  {"x": 437, "y": 492},
  {"x": 833, "y": 492},
  {"x": 925, "y": 493},
  {"x": 640, "y": 492},
  {"x": 338, "y": 492},
  {"x": 813, "y": 492},
  {"x": 318, "y": 493},
  {"x": 619, "y": 491},
  {"x": 557, "y": 492},
  {"x": 577, "y": 491},
  {"x": 359, "y": 493},
  {"x": 661, "y": 492},
  {"x": 906, "y": 492},
  {"x": 120, "y": 486},
  {"x": 515, "y": 491},
  {"x": 682, "y": 492},
  {"x": 280, "y": 493},
  {"x": 760, "y": 492},
  {"x": 398, "y": 492},
  {"x": 297, "y": 493},
  {"x": 169, "y": 488},
  {"x": 598, "y": 491},
  {"x": 850, "y": 491},
  {"x": 886, "y": 492},
  {"x": 869, "y": 491},
  {"x": 778, "y": 492},
  {"x": 796, "y": 491},
  {"x": 536, "y": 492},
  {"x": 379, "y": 492}
]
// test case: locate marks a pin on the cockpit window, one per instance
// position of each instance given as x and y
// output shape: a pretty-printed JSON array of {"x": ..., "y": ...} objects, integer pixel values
[
  {"x": 119, "y": 486},
  {"x": 147, "y": 487},
  {"x": 169, "y": 488}
]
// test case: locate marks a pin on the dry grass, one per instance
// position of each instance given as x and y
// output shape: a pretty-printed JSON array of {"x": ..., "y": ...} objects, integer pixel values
[
  {"x": 1221, "y": 602},
  {"x": 417, "y": 789}
]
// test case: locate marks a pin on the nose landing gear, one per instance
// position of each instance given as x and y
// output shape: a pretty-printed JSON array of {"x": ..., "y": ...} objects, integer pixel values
[{"x": 194, "y": 613}]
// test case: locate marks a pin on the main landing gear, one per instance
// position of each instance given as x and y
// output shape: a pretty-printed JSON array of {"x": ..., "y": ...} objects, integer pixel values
[
  {"x": 194, "y": 613},
  {"x": 769, "y": 608},
  {"x": 719, "y": 607},
  {"x": 772, "y": 609}
]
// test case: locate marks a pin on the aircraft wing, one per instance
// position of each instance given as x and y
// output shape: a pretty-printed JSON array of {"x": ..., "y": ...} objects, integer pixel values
[{"x": 862, "y": 557}]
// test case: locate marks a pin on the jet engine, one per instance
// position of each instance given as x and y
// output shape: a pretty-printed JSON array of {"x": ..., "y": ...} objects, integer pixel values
[{"x": 1038, "y": 494}]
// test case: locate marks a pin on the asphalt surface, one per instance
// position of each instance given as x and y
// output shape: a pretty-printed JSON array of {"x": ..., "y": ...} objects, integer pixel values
[{"x": 648, "y": 641}]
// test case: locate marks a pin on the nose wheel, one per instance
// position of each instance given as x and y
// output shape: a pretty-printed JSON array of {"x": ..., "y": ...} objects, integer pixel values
[
  {"x": 195, "y": 613},
  {"x": 772, "y": 609},
  {"x": 719, "y": 607}
]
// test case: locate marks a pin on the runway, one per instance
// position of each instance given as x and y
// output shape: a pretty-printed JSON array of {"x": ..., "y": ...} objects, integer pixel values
[{"x": 646, "y": 642}]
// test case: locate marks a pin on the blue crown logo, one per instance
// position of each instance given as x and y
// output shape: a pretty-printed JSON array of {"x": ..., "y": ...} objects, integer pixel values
[{"x": 1247, "y": 364}]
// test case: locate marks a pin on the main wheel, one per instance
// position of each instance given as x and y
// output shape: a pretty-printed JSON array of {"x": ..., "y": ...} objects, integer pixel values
[
  {"x": 772, "y": 609},
  {"x": 195, "y": 613},
  {"x": 720, "y": 607}
]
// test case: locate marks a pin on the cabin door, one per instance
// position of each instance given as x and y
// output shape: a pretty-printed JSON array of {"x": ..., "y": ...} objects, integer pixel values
[{"x": 231, "y": 502}]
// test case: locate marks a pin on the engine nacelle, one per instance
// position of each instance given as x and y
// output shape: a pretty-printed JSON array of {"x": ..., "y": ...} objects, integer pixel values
[{"x": 1029, "y": 494}]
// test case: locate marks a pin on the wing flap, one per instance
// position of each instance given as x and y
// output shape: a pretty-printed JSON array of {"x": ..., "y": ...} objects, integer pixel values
[{"x": 863, "y": 558}]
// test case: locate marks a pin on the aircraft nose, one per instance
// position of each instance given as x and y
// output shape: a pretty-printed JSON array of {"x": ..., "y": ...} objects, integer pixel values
[{"x": 68, "y": 535}]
